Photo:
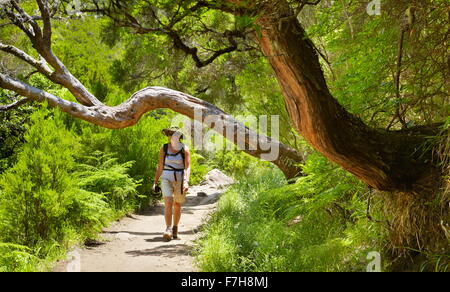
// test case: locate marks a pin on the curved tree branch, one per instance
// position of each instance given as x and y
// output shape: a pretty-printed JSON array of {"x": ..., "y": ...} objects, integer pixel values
[{"x": 129, "y": 113}]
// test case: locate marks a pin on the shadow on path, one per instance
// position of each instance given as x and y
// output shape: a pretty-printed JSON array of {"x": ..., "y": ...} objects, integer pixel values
[
  {"x": 169, "y": 251},
  {"x": 192, "y": 231}
]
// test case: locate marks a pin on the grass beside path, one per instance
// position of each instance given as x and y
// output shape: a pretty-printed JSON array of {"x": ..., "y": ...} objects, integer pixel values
[{"x": 316, "y": 224}]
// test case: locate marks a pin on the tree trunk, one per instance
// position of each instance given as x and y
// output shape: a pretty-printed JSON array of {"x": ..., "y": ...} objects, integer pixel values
[{"x": 389, "y": 161}]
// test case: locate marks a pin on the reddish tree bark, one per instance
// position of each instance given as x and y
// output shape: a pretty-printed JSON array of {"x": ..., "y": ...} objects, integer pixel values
[{"x": 390, "y": 161}]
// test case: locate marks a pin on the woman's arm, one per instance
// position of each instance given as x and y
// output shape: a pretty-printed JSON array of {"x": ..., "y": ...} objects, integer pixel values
[
  {"x": 160, "y": 168},
  {"x": 187, "y": 166}
]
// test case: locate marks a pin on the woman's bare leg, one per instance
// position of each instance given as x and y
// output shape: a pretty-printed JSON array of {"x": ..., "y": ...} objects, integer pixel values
[
  {"x": 168, "y": 203},
  {"x": 176, "y": 213}
]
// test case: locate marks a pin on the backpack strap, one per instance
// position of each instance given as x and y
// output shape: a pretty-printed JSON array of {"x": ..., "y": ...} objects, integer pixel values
[
  {"x": 182, "y": 154},
  {"x": 165, "y": 149}
]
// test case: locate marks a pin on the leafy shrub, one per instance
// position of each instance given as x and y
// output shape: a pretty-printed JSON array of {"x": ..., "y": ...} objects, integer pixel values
[
  {"x": 14, "y": 257},
  {"x": 235, "y": 163},
  {"x": 52, "y": 197},
  {"x": 317, "y": 224},
  {"x": 102, "y": 174},
  {"x": 39, "y": 189},
  {"x": 199, "y": 168}
]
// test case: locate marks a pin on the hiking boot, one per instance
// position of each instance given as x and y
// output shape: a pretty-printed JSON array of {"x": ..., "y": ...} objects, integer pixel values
[
  {"x": 175, "y": 232},
  {"x": 168, "y": 234}
]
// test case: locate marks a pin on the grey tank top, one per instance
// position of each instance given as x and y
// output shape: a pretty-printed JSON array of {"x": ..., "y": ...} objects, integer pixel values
[{"x": 175, "y": 162}]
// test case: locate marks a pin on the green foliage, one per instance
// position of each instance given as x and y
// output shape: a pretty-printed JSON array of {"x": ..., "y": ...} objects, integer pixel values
[
  {"x": 102, "y": 174},
  {"x": 52, "y": 197},
  {"x": 363, "y": 51},
  {"x": 436, "y": 263},
  {"x": 226, "y": 157},
  {"x": 261, "y": 96},
  {"x": 317, "y": 224},
  {"x": 235, "y": 163},
  {"x": 79, "y": 45},
  {"x": 15, "y": 123},
  {"x": 199, "y": 168},
  {"x": 12, "y": 130},
  {"x": 16, "y": 258},
  {"x": 38, "y": 190}
]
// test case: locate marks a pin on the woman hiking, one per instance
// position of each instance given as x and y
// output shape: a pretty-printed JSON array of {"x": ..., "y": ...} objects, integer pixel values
[{"x": 174, "y": 169}]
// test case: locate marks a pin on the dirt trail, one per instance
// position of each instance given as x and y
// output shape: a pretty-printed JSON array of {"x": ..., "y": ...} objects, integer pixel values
[{"x": 135, "y": 243}]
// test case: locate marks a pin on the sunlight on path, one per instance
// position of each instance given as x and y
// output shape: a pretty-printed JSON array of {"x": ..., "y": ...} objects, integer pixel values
[{"x": 135, "y": 243}]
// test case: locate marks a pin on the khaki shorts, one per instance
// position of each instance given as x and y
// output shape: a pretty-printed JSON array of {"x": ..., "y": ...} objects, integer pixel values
[{"x": 173, "y": 189}]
